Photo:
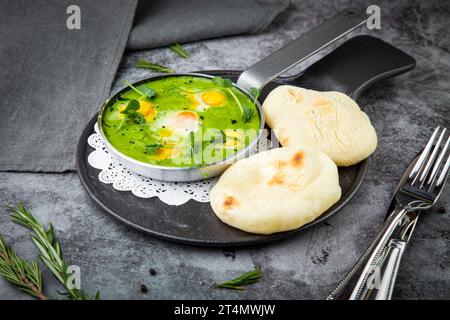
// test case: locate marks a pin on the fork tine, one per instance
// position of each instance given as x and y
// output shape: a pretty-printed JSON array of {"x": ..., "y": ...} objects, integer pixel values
[
  {"x": 437, "y": 165},
  {"x": 431, "y": 159},
  {"x": 420, "y": 162},
  {"x": 444, "y": 172}
]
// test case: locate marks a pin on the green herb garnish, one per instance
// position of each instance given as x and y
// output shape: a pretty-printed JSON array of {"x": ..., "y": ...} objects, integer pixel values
[
  {"x": 152, "y": 148},
  {"x": 192, "y": 145},
  {"x": 25, "y": 275},
  {"x": 222, "y": 82},
  {"x": 144, "y": 91},
  {"x": 144, "y": 64},
  {"x": 131, "y": 114},
  {"x": 49, "y": 247},
  {"x": 239, "y": 282},
  {"x": 180, "y": 51},
  {"x": 247, "y": 113}
]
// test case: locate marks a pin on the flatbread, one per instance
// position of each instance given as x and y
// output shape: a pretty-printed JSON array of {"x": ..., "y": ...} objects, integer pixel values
[
  {"x": 276, "y": 190},
  {"x": 331, "y": 121}
]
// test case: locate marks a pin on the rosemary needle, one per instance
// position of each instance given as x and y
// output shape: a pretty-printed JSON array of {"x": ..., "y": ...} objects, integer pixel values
[
  {"x": 144, "y": 64},
  {"x": 241, "y": 281},
  {"x": 180, "y": 51}
]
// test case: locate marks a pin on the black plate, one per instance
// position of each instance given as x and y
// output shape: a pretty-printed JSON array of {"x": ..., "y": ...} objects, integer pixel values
[{"x": 194, "y": 222}]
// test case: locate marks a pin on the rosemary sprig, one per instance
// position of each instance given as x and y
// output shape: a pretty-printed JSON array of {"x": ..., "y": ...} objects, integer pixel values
[
  {"x": 241, "y": 281},
  {"x": 180, "y": 51},
  {"x": 144, "y": 64},
  {"x": 25, "y": 275},
  {"x": 49, "y": 248}
]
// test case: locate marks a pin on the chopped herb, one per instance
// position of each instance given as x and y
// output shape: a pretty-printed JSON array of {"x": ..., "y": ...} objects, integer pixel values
[
  {"x": 180, "y": 51},
  {"x": 133, "y": 105},
  {"x": 131, "y": 114},
  {"x": 144, "y": 64},
  {"x": 239, "y": 282},
  {"x": 222, "y": 82},
  {"x": 153, "y": 148},
  {"x": 192, "y": 141},
  {"x": 255, "y": 92},
  {"x": 144, "y": 91},
  {"x": 247, "y": 113}
]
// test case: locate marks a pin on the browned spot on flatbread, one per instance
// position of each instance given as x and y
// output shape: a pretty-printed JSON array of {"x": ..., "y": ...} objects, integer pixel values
[
  {"x": 295, "y": 95},
  {"x": 324, "y": 105},
  {"x": 322, "y": 102},
  {"x": 297, "y": 159},
  {"x": 230, "y": 202},
  {"x": 277, "y": 179}
]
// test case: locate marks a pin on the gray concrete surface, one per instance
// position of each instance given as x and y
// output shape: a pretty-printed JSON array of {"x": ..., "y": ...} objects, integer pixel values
[{"x": 116, "y": 259}]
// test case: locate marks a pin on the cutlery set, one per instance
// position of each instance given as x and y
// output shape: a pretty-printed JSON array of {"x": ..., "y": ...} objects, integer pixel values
[{"x": 373, "y": 277}]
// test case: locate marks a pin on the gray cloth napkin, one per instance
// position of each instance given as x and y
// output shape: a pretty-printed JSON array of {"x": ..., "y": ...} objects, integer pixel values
[
  {"x": 163, "y": 22},
  {"x": 52, "y": 79}
]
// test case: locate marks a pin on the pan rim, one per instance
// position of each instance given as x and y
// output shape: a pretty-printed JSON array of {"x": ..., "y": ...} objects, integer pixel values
[{"x": 226, "y": 161}]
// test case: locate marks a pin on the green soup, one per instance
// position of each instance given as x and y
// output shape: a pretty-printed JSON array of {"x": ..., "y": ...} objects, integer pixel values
[{"x": 181, "y": 121}]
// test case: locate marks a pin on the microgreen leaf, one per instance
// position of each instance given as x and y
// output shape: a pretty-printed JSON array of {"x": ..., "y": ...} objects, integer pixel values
[
  {"x": 152, "y": 148},
  {"x": 247, "y": 113},
  {"x": 144, "y": 64},
  {"x": 144, "y": 91},
  {"x": 180, "y": 51},
  {"x": 133, "y": 105}
]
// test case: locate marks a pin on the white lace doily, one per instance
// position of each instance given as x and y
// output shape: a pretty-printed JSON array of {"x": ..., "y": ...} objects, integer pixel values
[{"x": 122, "y": 179}]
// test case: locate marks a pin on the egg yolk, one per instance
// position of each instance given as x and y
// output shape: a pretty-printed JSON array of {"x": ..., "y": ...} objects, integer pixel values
[
  {"x": 213, "y": 98},
  {"x": 185, "y": 120},
  {"x": 166, "y": 153}
]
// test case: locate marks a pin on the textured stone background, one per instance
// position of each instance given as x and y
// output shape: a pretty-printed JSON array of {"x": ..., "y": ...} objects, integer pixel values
[{"x": 115, "y": 259}]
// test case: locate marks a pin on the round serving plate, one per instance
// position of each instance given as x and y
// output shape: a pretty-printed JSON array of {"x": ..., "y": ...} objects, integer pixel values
[{"x": 193, "y": 222}]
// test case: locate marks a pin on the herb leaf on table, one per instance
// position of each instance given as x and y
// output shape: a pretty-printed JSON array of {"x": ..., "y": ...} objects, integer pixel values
[
  {"x": 240, "y": 282},
  {"x": 144, "y": 64},
  {"x": 25, "y": 275},
  {"x": 180, "y": 51}
]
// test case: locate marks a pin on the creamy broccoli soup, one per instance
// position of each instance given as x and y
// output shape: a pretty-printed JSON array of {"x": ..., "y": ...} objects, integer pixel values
[{"x": 181, "y": 121}]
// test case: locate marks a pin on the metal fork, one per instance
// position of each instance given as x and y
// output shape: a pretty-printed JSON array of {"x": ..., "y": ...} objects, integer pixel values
[{"x": 373, "y": 277}]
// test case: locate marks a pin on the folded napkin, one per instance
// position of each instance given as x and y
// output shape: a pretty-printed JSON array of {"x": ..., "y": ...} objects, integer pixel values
[
  {"x": 163, "y": 22},
  {"x": 53, "y": 79}
]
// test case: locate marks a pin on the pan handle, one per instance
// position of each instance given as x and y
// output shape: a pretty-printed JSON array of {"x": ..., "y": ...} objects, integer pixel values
[
  {"x": 262, "y": 72},
  {"x": 354, "y": 66}
]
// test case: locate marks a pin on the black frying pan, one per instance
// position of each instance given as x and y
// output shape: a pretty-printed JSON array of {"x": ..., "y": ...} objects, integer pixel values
[{"x": 351, "y": 68}]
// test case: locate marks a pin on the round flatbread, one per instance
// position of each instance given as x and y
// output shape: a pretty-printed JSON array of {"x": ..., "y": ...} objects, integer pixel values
[
  {"x": 276, "y": 190},
  {"x": 331, "y": 121}
]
